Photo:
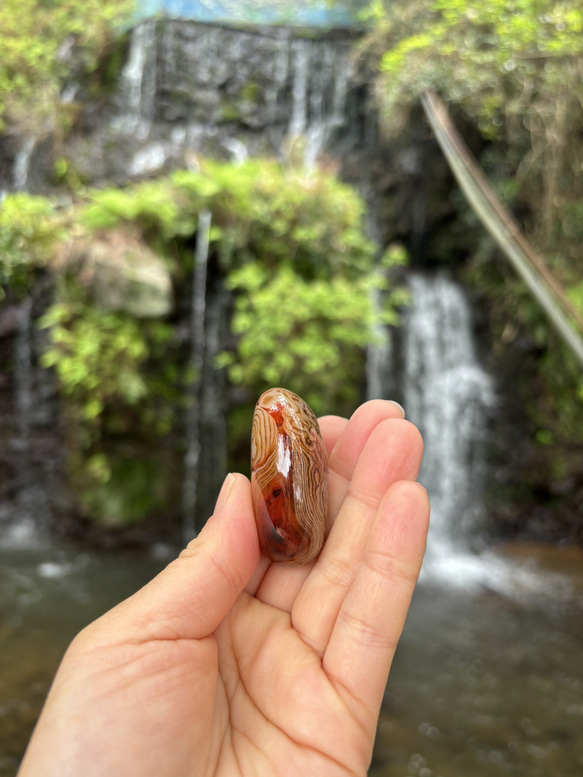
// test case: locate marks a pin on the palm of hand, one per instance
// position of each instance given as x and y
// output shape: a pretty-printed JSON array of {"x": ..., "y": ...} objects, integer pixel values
[
  {"x": 227, "y": 664},
  {"x": 282, "y": 708}
]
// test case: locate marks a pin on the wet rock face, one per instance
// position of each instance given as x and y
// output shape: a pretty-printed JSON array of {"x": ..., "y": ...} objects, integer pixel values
[{"x": 189, "y": 88}]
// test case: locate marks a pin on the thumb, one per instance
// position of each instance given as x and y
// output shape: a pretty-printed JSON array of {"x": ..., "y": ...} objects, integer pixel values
[{"x": 189, "y": 598}]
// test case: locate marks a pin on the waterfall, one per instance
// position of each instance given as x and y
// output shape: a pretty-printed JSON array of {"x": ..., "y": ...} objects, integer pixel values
[
  {"x": 301, "y": 60},
  {"x": 25, "y": 526},
  {"x": 22, "y": 159},
  {"x": 431, "y": 365},
  {"x": 138, "y": 82},
  {"x": 378, "y": 361},
  {"x": 448, "y": 395},
  {"x": 29, "y": 459},
  {"x": 215, "y": 91},
  {"x": 196, "y": 363},
  {"x": 321, "y": 72},
  {"x": 23, "y": 372},
  {"x": 278, "y": 82},
  {"x": 212, "y": 466}
]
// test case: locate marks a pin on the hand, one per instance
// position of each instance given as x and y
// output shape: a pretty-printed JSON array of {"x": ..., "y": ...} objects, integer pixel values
[{"x": 228, "y": 665}]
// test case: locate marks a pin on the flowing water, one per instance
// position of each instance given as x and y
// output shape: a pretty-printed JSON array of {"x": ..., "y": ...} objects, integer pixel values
[
  {"x": 486, "y": 684},
  {"x": 47, "y": 594},
  {"x": 22, "y": 161},
  {"x": 196, "y": 363},
  {"x": 180, "y": 85}
]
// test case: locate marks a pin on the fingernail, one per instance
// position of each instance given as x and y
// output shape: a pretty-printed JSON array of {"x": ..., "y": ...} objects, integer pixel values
[
  {"x": 226, "y": 489},
  {"x": 399, "y": 407}
]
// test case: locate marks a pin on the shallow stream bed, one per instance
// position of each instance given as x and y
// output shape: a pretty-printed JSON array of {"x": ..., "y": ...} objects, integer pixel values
[{"x": 487, "y": 681}]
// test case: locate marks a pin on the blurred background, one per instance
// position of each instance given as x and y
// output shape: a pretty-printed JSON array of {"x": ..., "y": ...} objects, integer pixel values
[{"x": 202, "y": 199}]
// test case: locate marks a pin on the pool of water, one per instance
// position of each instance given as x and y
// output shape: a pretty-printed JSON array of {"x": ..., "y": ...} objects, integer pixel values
[
  {"x": 487, "y": 680},
  {"x": 47, "y": 594}
]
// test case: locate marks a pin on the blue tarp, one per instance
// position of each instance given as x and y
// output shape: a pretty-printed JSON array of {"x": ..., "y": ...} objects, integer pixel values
[{"x": 302, "y": 13}]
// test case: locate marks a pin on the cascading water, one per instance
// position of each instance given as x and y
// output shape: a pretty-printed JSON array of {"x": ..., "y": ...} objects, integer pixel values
[
  {"x": 224, "y": 90},
  {"x": 448, "y": 395},
  {"x": 138, "y": 84},
  {"x": 22, "y": 160},
  {"x": 28, "y": 524},
  {"x": 321, "y": 74},
  {"x": 196, "y": 363}
]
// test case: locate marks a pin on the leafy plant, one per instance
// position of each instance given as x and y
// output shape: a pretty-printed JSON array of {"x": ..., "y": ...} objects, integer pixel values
[
  {"x": 290, "y": 247},
  {"x": 29, "y": 230},
  {"x": 99, "y": 359},
  {"x": 43, "y": 44}
]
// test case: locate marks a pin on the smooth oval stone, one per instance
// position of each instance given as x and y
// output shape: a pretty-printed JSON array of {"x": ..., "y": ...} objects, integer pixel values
[{"x": 289, "y": 477}]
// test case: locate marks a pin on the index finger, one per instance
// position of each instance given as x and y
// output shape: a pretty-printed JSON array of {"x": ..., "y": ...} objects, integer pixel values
[{"x": 371, "y": 618}]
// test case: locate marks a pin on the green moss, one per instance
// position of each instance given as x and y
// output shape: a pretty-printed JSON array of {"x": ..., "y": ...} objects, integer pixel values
[
  {"x": 230, "y": 110},
  {"x": 65, "y": 174},
  {"x": 251, "y": 93}
]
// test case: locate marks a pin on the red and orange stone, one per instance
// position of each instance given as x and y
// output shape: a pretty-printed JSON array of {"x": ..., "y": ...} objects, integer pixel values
[{"x": 289, "y": 477}]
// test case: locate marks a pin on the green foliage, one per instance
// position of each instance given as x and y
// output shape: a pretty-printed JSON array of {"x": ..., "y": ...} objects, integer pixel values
[
  {"x": 120, "y": 486},
  {"x": 151, "y": 204},
  {"x": 99, "y": 359},
  {"x": 120, "y": 383},
  {"x": 496, "y": 59},
  {"x": 305, "y": 335},
  {"x": 514, "y": 68},
  {"x": 292, "y": 247},
  {"x": 40, "y": 43},
  {"x": 549, "y": 382},
  {"x": 29, "y": 230},
  {"x": 261, "y": 209}
]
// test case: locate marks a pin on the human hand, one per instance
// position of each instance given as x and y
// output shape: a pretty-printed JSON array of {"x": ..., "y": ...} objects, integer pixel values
[{"x": 227, "y": 664}]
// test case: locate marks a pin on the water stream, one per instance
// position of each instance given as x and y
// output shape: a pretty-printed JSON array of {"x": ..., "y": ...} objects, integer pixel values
[
  {"x": 186, "y": 88},
  {"x": 29, "y": 523},
  {"x": 22, "y": 161},
  {"x": 487, "y": 684},
  {"x": 448, "y": 395}
]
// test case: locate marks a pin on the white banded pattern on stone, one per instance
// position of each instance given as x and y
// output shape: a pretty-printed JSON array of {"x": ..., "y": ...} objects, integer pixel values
[{"x": 289, "y": 477}]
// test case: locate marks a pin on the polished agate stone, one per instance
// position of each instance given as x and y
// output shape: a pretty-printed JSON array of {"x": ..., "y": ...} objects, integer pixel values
[{"x": 289, "y": 477}]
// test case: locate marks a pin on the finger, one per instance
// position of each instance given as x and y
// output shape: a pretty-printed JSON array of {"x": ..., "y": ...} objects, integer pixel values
[
  {"x": 280, "y": 583},
  {"x": 331, "y": 427},
  {"x": 189, "y": 598},
  {"x": 346, "y": 452},
  {"x": 392, "y": 453},
  {"x": 371, "y": 619}
]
